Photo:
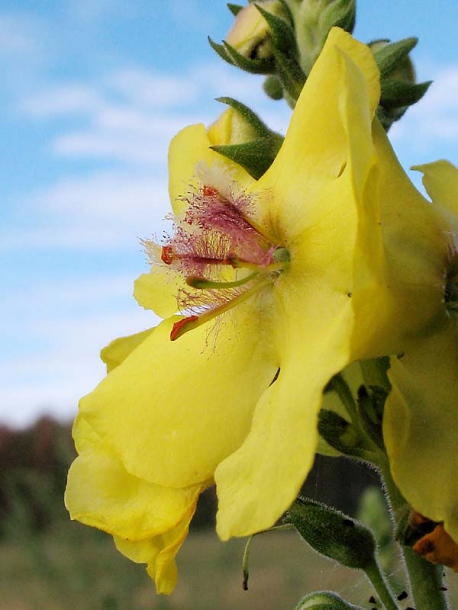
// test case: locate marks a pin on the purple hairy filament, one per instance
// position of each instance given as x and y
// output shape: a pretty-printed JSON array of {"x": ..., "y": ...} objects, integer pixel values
[{"x": 215, "y": 236}]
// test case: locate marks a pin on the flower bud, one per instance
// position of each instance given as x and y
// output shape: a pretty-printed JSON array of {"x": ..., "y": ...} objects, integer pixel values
[
  {"x": 313, "y": 20},
  {"x": 333, "y": 533},
  {"x": 251, "y": 35},
  {"x": 324, "y": 600}
]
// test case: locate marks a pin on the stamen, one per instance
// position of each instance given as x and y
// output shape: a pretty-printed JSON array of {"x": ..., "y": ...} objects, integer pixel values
[
  {"x": 167, "y": 255},
  {"x": 203, "y": 284},
  {"x": 191, "y": 322},
  {"x": 176, "y": 328},
  {"x": 220, "y": 251},
  {"x": 238, "y": 263}
]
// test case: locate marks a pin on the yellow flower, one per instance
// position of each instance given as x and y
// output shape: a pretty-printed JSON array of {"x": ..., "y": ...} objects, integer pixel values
[
  {"x": 267, "y": 276},
  {"x": 421, "y": 416}
]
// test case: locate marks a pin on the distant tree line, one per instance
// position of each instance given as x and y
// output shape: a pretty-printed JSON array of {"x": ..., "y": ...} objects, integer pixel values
[{"x": 34, "y": 463}]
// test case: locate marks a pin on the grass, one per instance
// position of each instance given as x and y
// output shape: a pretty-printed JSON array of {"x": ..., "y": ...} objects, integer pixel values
[{"x": 73, "y": 567}]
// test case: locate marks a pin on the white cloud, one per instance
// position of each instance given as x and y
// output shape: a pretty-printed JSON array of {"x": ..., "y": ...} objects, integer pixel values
[
  {"x": 18, "y": 35},
  {"x": 66, "y": 327},
  {"x": 73, "y": 98},
  {"x": 104, "y": 210},
  {"x": 123, "y": 121},
  {"x": 429, "y": 129},
  {"x": 88, "y": 11}
]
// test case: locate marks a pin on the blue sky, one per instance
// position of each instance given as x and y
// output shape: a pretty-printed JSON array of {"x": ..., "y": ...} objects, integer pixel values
[{"x": 92, "y": 91}]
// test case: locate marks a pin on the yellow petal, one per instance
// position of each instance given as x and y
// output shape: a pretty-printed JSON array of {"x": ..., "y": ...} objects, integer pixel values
[
  {"x": 173, "y": 410},
  {"x": 259, "y": 481},
  {"x": 421, "y": 427},
  {"x": 159, "y": 553},
  {"x": 118, "y": 350},
  {"x": 189, "y": 150},
  {"x": 101, "y": 493},
  {"x": 158, "y": 289},
  {"x": 337, "y": 103},
  {"x": 399, "y": 260},
  {"x": 441, "y": 182}
]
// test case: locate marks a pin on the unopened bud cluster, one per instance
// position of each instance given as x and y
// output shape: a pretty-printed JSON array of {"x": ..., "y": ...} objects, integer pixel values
[{"x": 283, "y": 38}]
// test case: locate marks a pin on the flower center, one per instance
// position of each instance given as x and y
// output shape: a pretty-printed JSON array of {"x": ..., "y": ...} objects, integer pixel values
[{"x": 223, "y": 254}]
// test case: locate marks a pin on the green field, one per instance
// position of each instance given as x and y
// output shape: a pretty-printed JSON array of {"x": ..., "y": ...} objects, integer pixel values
[{"x": 73, "y": 567}]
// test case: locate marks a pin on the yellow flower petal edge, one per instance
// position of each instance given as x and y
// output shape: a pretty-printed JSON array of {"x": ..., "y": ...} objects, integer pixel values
[
  {"x": 159, "y": 554},
  {"x": 177, "y": 399},
  {"x": 148, "y": 522},
  {"x": 421, "y": 416},
  {"x": 321, "y": 283},
  {"x": 441, "y": 182},
  {"x": 118, "y": 350}
]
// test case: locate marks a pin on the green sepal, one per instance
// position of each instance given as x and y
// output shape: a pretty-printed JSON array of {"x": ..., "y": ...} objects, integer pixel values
[
  {"x": 290, "y": 74},
  {"x": 221, "y": 51},
  {"x": 371, "y": 404},
  {"x": 234, "y": 8},
  {"x": 249, "y": 116},
  {"x": 233, "y": 57},
  {"x": 340, "y": 434},
  {"x": 288, "y": 69},
  {"x": 255, "y": 156},
  {"x": 287, "y": 12},
  {"x": 333, "y": 533},
  {"x": 391, "y": 56},
  {"x": 375, "y": 371},
  {"x": 397, "y": 93},
  {"x": 282, "y": 34},
  {"x": 341, "y": 13},
  {"x": 324, "y": 600},
  {"x": 273, "y": 87}
]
